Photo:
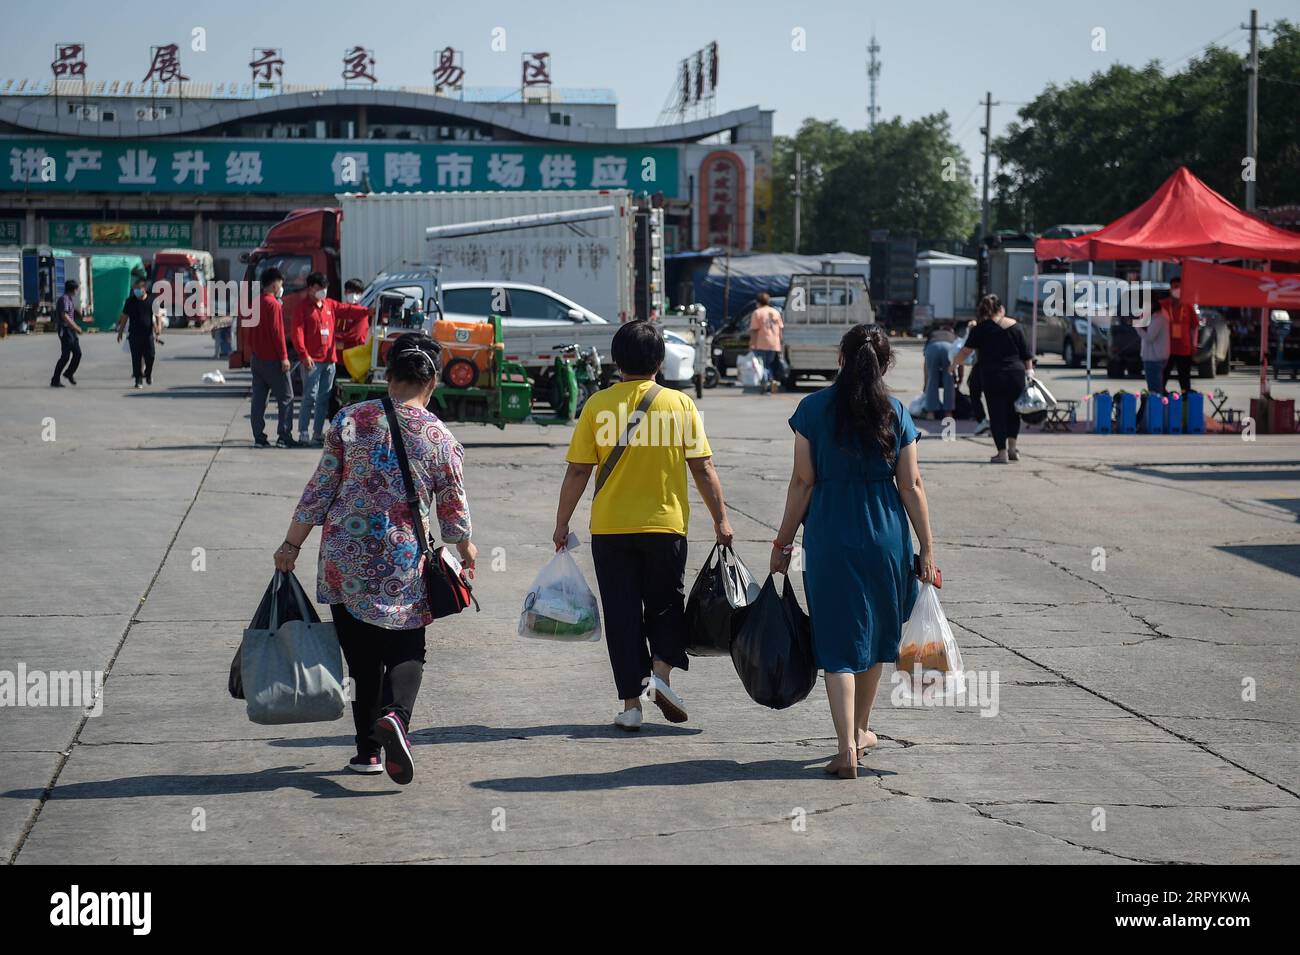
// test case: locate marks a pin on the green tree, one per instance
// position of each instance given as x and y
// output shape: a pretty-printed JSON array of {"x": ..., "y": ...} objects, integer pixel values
[
  {"x": 904, "y": 177},
  {"x": 822, "y": 145},
  {"x": 1089, "y": 151}
]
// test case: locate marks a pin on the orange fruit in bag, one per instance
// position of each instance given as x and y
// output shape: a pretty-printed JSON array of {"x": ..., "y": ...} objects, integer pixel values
[
  {"x": 934, "y": 656},
  {"x": 908, "y": 657}
]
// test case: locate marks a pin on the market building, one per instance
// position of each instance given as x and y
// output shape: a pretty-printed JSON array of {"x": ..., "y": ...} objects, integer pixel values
[{"x": 134, "y": 167}]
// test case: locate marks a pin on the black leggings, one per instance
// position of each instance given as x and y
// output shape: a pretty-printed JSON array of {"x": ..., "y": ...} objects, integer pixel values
[
  {"x": 1001, "y": 389},
  {"x": 642, "y": 590},
  {"x": 385, "y": 666}
]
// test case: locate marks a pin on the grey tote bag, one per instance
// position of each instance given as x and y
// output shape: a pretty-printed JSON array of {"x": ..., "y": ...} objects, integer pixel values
[{"x": 292, "y": 671}]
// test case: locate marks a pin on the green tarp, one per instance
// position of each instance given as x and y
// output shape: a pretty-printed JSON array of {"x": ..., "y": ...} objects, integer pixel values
[{"x": 110, "y": 278}]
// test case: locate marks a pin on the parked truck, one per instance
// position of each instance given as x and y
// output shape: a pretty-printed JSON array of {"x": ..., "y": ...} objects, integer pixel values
[
  {"x": 13, "y": 305},
  {"x": 819, "y": 309},
  {"x": 569, "y": 256},
  {"x": 589, "y": 261},
  {"x": 32, "y": 279},
  {"x": 189, "y": 274}
]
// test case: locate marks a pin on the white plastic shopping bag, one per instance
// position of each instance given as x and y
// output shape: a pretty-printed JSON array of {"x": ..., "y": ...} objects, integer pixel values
[
  {"x": 928, "y": 652},
  {"x": 559, "y": 605},
  {"x": 1034, "y": 398},
  {"x": 749, "y": 368}
]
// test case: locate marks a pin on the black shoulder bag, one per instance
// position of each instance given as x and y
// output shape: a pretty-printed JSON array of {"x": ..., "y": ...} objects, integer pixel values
[{"x": 448, "y": 590}]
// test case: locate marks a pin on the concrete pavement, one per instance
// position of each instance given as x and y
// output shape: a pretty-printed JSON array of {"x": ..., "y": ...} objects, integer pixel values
[{"x": 1146, "y": 712}]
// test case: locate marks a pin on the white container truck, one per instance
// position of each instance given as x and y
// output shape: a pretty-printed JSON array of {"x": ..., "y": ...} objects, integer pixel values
[{"x": 590, "y": 262}]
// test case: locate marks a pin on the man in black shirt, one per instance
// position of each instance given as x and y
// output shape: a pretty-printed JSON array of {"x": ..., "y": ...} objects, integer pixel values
[{"x": 142, "y": 329}]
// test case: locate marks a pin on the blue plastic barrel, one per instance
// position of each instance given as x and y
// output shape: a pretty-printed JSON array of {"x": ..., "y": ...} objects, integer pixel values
[
  {"x": 1175, "y": 413},
  {"x": 1155, "y": 415},
  {"x": 1195, "y": 405},
  {"x": 1128, "y": 413},
  {"x": 1102, "y": 409}
]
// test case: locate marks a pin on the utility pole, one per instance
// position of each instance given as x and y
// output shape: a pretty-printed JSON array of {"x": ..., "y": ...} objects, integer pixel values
[
  {"x": 988, "y": 132},
  {"x": 1252, "y": 108},
  {"x": 798, "y": 197}
]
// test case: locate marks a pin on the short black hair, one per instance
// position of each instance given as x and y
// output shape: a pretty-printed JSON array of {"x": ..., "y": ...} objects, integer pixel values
[
  {"x": 638, "y": 348},
  {"x": 414, "y": 358},
  {"x": 317, "y": 279},
  {"x": 270, "y": 275},
  {"x": 138, "y": 279},
  {"x": 354, "y": 285},
  {"x": 70, "y": 286},
  {"x": 1176, "y": 280}
]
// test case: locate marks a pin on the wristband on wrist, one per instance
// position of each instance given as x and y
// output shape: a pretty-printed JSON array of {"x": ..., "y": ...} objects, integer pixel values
[{"x": 784, "y": 548}]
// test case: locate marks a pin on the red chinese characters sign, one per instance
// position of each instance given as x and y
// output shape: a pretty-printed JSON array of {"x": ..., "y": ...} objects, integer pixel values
[
  {"x": 69, "y": 60},
  {"x": 359, "y": 64},
  {"x": 267, "y": 64},
  {"x": 165, "y": 64},
  {"x": 722, "y": 201}
]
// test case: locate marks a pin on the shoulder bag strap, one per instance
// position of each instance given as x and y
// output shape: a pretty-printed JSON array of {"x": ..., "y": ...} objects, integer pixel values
[
  {"x": 404, "y": 465},
  {"x": 607, "y": 467}
]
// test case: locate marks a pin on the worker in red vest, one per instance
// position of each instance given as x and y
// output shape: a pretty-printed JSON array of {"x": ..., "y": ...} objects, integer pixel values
[
  {"x": 1184, "y": 324},
  {"x": 316, "y": 324}
]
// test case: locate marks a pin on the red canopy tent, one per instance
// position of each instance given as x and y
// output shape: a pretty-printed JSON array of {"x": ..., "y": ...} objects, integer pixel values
[{"x": 1184, "y": 218}]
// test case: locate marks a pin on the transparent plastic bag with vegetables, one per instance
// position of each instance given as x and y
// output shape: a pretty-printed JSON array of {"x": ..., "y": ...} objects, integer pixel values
[{"x": 559, "y": 605}]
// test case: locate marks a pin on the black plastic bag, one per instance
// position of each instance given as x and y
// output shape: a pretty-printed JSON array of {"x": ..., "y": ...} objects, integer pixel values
[
  {"x": 723, "y": 586},
  {"x": 772, "y": 649},
  {"x": 287, "y": 610}
]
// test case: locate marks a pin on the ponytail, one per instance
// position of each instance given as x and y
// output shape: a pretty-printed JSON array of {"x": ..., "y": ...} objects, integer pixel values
[
  {"x": 988, "y": 306},
  {"x": 863, "y": 414}
]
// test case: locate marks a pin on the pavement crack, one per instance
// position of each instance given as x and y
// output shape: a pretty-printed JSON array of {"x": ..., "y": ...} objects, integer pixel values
[
  {"x": 117, "y": 650},
  {"x": 666, "y": 834}
]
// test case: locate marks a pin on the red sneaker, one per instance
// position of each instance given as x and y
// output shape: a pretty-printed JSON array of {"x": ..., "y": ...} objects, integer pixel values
[{"x": 397, "y": 749}]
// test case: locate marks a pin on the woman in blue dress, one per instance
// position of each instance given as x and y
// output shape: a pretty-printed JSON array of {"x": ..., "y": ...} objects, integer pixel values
[{"x": 855, "y": 485}]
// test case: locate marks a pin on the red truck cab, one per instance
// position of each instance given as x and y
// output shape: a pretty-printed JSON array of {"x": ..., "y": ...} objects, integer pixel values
[
  {"x": 187, "y": 275},
  {"x": 305, "y": 241}
]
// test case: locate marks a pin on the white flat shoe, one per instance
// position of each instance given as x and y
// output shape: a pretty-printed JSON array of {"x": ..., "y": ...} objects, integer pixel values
[
  {"x": 663, "y": 696},
  {"x": 629, "y": 720}
]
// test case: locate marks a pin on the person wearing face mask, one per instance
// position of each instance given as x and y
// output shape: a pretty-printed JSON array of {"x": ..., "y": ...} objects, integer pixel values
[
  {"x": 142, "y": 328},
  {"x": 313, "y": 339},
  {"x": 352, "y": 319},
  {"x": 263, "y": 333}
]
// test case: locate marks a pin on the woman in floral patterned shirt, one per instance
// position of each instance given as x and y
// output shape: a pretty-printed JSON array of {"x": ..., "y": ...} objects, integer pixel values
[{"x": 369, "y": 569}]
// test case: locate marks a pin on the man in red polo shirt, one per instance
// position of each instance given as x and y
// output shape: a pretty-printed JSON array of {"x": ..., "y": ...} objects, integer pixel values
[
  {"x": 1184, "y": 326},
  {"x": 319, "y": 326},
  {"x": 264, "y": 334}
]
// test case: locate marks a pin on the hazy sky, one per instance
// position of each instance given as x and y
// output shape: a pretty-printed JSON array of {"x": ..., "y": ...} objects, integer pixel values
[{"x": 936, "y": 54}]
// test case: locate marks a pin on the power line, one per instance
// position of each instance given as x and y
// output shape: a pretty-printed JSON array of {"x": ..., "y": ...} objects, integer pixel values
[{"x": 1202, "y": 48}]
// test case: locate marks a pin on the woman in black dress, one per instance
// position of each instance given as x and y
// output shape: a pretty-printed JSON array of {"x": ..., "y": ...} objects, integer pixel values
[{"x": 1004, "y": 363}]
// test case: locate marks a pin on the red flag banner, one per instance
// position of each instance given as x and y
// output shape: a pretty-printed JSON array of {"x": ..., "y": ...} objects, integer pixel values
[{"x": 1205, "y": 283}]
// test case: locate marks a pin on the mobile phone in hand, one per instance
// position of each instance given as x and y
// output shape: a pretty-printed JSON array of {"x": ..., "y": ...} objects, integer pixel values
[{"x": 916, "y": 569}]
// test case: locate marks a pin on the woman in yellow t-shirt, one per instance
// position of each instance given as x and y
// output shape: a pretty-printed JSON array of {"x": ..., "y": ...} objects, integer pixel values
[{"x": 639, "y": 517}]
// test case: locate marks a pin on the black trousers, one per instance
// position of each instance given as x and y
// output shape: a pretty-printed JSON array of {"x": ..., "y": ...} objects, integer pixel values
[
  {"x": 642, "y": 592},
  {"x": 974, "y": 384},
  {"x": 269, "y": 377},
  {"x": 1182, "y": 364},
  {"x": 69, "y": 355},
  {"x": 142, "y": 355},
  {"x": 386, "y": 667},
  {"x": 1001, "y": 389}
]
